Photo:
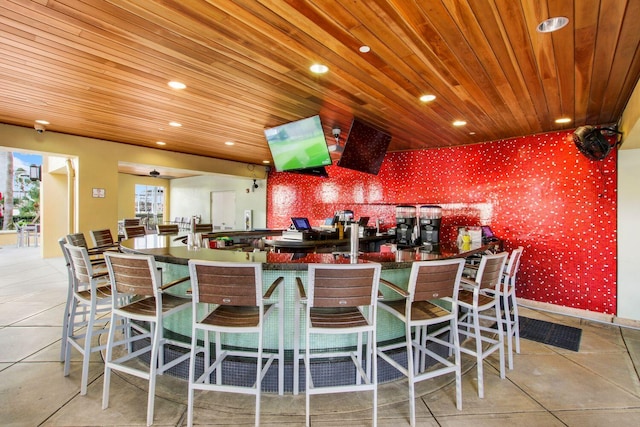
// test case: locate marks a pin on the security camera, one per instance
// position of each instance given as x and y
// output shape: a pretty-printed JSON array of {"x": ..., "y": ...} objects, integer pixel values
[
  {"x": 39, "y": 128},
  {"x": 336, "y": 132}
]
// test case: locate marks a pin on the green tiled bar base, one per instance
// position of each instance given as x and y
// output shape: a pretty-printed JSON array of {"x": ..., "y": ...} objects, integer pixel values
[{"x": 388, "y": 328}]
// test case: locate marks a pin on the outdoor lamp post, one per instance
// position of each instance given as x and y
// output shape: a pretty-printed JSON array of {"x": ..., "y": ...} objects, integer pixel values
[{"x": 34, "y": 173}]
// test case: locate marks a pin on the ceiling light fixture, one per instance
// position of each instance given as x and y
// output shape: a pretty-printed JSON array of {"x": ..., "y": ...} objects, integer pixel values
[
  {"x": 563, "y": 120},
  {"x": 552, "y": 24},
  {"x": 177, "y": 85},
  {"x": 319, "y": 68},
  {"x": 42, "y": 122},
  {"x": 161, "y": 143},
  {"x": 266, "y": 162},
  {"x": 175, "y": 124},
  {"x": 427, "y": 98},
  {"x": 459, "y": 123},
  {"x": 229, "y": 143},
  {"x": 364, "y": 49}
]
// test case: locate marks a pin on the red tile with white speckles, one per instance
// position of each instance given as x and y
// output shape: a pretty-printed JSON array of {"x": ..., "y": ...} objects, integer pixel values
[{"x": 536, "y": 191}]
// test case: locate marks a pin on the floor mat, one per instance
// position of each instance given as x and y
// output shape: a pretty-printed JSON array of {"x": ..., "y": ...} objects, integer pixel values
[{"x": 562, "y": 336}]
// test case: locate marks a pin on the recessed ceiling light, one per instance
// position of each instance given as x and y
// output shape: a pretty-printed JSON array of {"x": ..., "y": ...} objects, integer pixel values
[
  {"x": 459, "y": 123},
  {"x": 563, "y": 120},
  {"x": 175, "y": 124},
  {"x": 427, "y": 98},
  {"x": 161, "y": 143},
  {"x": 472, "y": 133},
  {"x": 177, "y": 85},
  {"x": 266, "y": 162},
  {"x": 319, "y": 68},
  {"x": 229, "y": 143},
  {"x": 364, "y": 49},
  {"x": 552, "y": 24},
  {"x": 42, "y": 122}
]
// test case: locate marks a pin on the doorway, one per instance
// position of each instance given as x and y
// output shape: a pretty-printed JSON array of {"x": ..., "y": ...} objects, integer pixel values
[
  {"x": 149, "y": 205},
  {"x": 223, "y": 210}
]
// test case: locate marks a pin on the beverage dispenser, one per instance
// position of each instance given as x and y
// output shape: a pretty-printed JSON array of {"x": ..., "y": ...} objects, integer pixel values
[
  {"x": 406, "y": 225},
  {"x": 430, "y": 217}
]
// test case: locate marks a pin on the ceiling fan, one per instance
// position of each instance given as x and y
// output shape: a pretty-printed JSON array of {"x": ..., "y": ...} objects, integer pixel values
[
  {"x": 155, "y": 174},
  {"x": 592, "y": 143}
]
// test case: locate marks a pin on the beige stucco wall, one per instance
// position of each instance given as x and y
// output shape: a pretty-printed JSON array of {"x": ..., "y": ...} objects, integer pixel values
[
  {"x": 630, "y": 121},
  {"x": 96, "y": 166}
]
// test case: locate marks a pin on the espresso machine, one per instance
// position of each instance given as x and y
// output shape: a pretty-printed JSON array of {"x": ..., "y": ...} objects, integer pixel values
[
  {"x": 430, "y": 217},
  {"x": 406, "y": 225}
]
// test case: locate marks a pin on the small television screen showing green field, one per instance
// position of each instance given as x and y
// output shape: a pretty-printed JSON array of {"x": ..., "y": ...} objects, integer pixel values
[{"x": 298, "y": 145}]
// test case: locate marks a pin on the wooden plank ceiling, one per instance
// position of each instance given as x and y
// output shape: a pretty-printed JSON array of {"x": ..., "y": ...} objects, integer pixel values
[{"x": 100, "y": 68}]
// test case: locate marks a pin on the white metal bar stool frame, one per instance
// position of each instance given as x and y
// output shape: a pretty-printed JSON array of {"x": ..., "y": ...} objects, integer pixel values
[
  {"x": 428, "y": 280},
  {"x": 507, "y": 292},
  {"x": 91, "y": 297},
  {"x": 227, "y": 298},
  {"x": 475, "y": 298},
  {"x": 341, "y": 299},
  {"x": 139, "y": 296}
]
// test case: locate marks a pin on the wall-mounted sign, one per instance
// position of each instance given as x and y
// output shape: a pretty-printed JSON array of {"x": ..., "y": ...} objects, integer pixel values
[{"x": 98, "y": 192}]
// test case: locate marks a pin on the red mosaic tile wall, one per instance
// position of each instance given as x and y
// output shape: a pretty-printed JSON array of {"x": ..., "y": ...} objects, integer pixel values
[{"x": 537, "y": 191}]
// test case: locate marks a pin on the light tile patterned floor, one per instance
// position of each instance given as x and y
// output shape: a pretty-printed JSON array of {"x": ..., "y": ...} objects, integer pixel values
[{"x": 597, "y": 386}]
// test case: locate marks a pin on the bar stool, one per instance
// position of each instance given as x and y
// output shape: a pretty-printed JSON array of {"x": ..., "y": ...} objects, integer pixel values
[
  {"x": 428, "y": 281},
  {"x": 342, "y": 300},
  {"x": 163, "y": 229},
  {"x": 138, "y": 296},
  {"x": 67, "y": 307},
  {"x": 78, "y": 239},
  {"x": 103, "y": 239},
  {"x": 228, "y": 299},
  {"x": 91, "y": 297},
  {"x": 32, "y": 230},
  {"x": 134, "y": 231},
  {"x": 510, "y": 305},
  {"x": 475, "y": 298},
  {"x": 71, "y": 286},
  {"x": 131, "y": 222}
]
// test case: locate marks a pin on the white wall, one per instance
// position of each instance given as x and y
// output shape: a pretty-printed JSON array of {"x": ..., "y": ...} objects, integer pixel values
[
  {"x": 191, "y": 196},
  {"x": 628, "y": 234}
]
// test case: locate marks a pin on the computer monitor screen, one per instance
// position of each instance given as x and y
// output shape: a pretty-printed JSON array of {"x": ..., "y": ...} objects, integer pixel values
[
  {"x": 301, "y": 224},
  {"x": 363, "y": 221}
]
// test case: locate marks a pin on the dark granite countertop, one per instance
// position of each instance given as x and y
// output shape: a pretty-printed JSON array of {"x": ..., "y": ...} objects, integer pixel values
[{"x": 171, "y": 249}]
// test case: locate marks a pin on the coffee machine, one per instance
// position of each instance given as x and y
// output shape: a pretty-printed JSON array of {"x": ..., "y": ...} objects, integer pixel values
[
  {"x": 406, "y": 234},
  {"x": 430, "y": 217}
]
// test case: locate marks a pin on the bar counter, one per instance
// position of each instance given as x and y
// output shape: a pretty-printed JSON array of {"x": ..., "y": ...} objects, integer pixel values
[
  {"x": 173, "y": 255},
  {"x": 172, "y": 249}
]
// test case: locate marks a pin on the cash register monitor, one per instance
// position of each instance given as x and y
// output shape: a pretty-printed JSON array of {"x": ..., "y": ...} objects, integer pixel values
[
  {"x": 487, "y": 234},
  {"x": 301, "y": 224},
  {"x": 363, "y": 221}
]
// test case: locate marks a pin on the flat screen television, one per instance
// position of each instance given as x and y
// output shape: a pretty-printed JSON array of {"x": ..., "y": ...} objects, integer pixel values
[
  {"x": 364, "y": 148},
  {"x": 321, "y": 172},
  {"x": 298, "y": 145}
]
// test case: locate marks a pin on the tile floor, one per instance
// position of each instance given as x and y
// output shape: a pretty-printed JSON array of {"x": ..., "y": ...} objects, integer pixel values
[{"x": 597, "y": 386}]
